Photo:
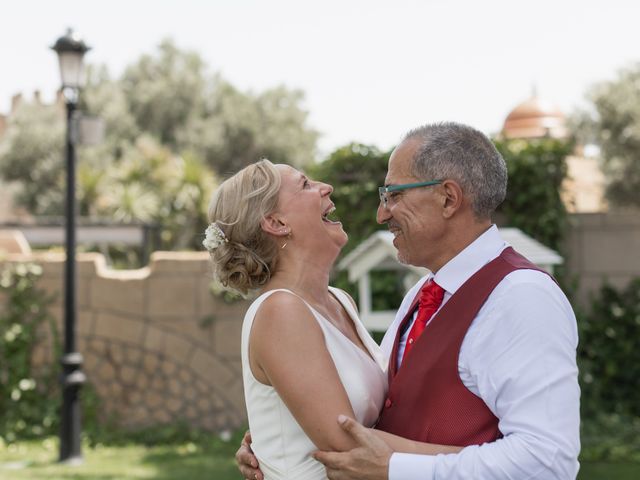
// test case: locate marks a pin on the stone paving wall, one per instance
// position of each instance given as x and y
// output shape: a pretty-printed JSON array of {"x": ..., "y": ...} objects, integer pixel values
[{"x": 158, "y": 347}]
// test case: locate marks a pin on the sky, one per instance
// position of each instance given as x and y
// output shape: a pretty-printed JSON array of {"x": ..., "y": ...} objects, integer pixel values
[{"x": 370, "y": 69}]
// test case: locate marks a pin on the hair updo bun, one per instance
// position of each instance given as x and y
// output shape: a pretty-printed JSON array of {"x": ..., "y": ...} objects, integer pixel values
[{"x": 246, "y": 260}]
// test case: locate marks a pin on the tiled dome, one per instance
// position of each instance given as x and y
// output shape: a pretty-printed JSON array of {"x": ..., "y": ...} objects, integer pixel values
[{"x": 535, "y": 118}]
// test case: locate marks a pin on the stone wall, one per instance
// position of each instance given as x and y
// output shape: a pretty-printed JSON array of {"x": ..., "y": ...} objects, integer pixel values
[
  {"x": 603, "y": 248},
  {"x": 158, "y": 347}
]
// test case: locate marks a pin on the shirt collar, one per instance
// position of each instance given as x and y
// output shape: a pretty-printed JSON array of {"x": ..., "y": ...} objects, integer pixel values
[{"x": 476, "y": 255}]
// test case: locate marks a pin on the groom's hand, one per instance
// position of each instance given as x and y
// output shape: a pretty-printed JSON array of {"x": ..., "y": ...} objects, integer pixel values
[
  {"x": 370, "y": 459},
  {"x": 247, "y": 461}
]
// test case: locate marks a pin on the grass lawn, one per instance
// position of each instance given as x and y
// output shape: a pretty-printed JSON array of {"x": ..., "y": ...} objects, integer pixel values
[{"x": 37, "y": 461}]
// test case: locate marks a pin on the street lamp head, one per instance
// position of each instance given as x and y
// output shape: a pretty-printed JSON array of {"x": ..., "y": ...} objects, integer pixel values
[{"x": 71, "y": 49}]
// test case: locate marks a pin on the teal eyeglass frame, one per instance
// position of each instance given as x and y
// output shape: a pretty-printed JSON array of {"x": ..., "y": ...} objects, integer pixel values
[{"x": 382, "y": 191}]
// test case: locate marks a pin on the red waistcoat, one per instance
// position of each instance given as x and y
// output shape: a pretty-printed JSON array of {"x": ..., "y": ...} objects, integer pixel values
[{"x": 427, "y": 401}]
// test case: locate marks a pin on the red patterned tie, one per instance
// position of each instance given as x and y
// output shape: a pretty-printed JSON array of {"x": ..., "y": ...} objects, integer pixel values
[{"x": 431, "y": 296}]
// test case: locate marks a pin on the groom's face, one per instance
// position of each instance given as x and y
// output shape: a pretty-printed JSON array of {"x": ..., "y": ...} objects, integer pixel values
[{"x": 412, "y": 215}]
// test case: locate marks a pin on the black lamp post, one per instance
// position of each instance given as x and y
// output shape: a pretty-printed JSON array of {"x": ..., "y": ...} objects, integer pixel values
[{"x": 70, "y": 49}]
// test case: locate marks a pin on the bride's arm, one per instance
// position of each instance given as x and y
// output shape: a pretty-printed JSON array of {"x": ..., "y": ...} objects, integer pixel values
[
  {"x": 287, "y": 350},
  {"x": 400, "y": 444}
]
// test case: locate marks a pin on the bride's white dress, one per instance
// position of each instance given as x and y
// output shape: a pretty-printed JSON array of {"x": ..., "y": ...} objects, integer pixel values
[{"x": 279, "y": 443}]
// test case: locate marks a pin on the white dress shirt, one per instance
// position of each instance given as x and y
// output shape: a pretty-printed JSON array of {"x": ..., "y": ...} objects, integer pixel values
[{"x": 519, "y": 356}]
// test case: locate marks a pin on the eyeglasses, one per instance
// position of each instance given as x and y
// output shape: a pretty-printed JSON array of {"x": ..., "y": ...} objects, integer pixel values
[{"x": 383, "y": 191}]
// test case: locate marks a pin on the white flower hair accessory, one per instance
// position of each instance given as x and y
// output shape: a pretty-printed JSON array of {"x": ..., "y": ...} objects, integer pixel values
[{"x": 214, "y": 237}]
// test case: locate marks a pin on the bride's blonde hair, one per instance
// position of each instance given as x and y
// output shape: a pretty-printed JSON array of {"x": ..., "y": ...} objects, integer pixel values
[{"x": 248, "y": 258}]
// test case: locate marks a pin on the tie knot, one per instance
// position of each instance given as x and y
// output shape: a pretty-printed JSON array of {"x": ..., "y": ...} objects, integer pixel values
[{"x": 431, "y": 294}]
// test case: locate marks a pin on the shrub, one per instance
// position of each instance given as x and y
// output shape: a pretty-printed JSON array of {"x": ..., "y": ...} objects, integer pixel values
[
  {"x": 28, "y": 405},
  {"x": 608, "y": 354},
  {"x": 610, "y": 437}
]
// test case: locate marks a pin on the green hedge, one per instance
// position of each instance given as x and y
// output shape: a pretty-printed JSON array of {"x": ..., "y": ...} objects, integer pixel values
[
  {"x": 609, "y": 355},
  {"x": 536, "y": 169}
]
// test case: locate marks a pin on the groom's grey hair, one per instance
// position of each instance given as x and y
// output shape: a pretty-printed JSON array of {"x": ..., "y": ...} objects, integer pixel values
[{"x": 466, "y": 155}]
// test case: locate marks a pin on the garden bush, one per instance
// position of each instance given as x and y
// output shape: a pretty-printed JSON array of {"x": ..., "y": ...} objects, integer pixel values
[
  {"x": 28, "y": 403},
  {"x": 608, "y": 353}
]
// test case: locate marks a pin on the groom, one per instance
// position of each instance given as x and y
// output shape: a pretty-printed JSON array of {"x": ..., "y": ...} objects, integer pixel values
[{"x": 482, "y": 351}]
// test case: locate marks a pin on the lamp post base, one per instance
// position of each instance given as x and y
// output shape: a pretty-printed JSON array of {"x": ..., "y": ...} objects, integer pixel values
[
  {"x": 73, "y": 461},
  {"x": 70, "y": 425}
]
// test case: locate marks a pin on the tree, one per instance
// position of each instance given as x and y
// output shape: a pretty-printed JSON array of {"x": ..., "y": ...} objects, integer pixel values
[
  {"x": 614, "y": 124},
  {"x": 355, "y": 171},
  {"x": 536, "y": 169},
  {"x": 31, "y": 154},
  {"x": 105, "y": 97},
  {"x": 170, "y": 128},
  {"x": 173, "y": 98},
  {"x": 165, "y": 91},
  {"x": 151, "y": 184}
]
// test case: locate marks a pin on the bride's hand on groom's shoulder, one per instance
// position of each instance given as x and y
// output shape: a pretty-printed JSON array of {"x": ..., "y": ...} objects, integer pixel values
[{"x": 247, "y": 461}]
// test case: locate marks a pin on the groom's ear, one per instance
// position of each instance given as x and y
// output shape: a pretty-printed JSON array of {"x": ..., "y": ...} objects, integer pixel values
[{"x": 273, "y": 225}]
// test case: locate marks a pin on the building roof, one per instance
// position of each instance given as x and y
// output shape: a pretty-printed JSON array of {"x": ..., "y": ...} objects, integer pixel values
[{"x": 535, "y": 118}]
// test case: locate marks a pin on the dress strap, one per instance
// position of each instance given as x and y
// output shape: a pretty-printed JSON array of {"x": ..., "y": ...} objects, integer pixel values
[{"x": 342, "y": 297}]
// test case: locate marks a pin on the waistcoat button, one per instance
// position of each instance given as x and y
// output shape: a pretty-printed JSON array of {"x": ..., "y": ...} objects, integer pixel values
[{"x": 388, "y": 403}]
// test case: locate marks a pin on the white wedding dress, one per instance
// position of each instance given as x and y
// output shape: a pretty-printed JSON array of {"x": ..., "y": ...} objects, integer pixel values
[{"x": 279, "y": 443}]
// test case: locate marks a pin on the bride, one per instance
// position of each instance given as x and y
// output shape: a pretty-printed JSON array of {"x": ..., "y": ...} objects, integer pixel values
[{"x": 306, "y": 357}]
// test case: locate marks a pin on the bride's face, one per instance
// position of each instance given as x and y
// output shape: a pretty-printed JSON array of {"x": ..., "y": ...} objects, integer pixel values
[{"x": 305, "y": 205}]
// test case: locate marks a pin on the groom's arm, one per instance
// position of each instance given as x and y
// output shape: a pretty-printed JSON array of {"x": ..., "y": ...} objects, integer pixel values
[{"x": 369, "y": 459}]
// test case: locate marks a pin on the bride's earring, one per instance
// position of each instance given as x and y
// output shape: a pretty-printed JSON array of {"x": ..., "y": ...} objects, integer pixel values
[{"x": 287, "y": 240}]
